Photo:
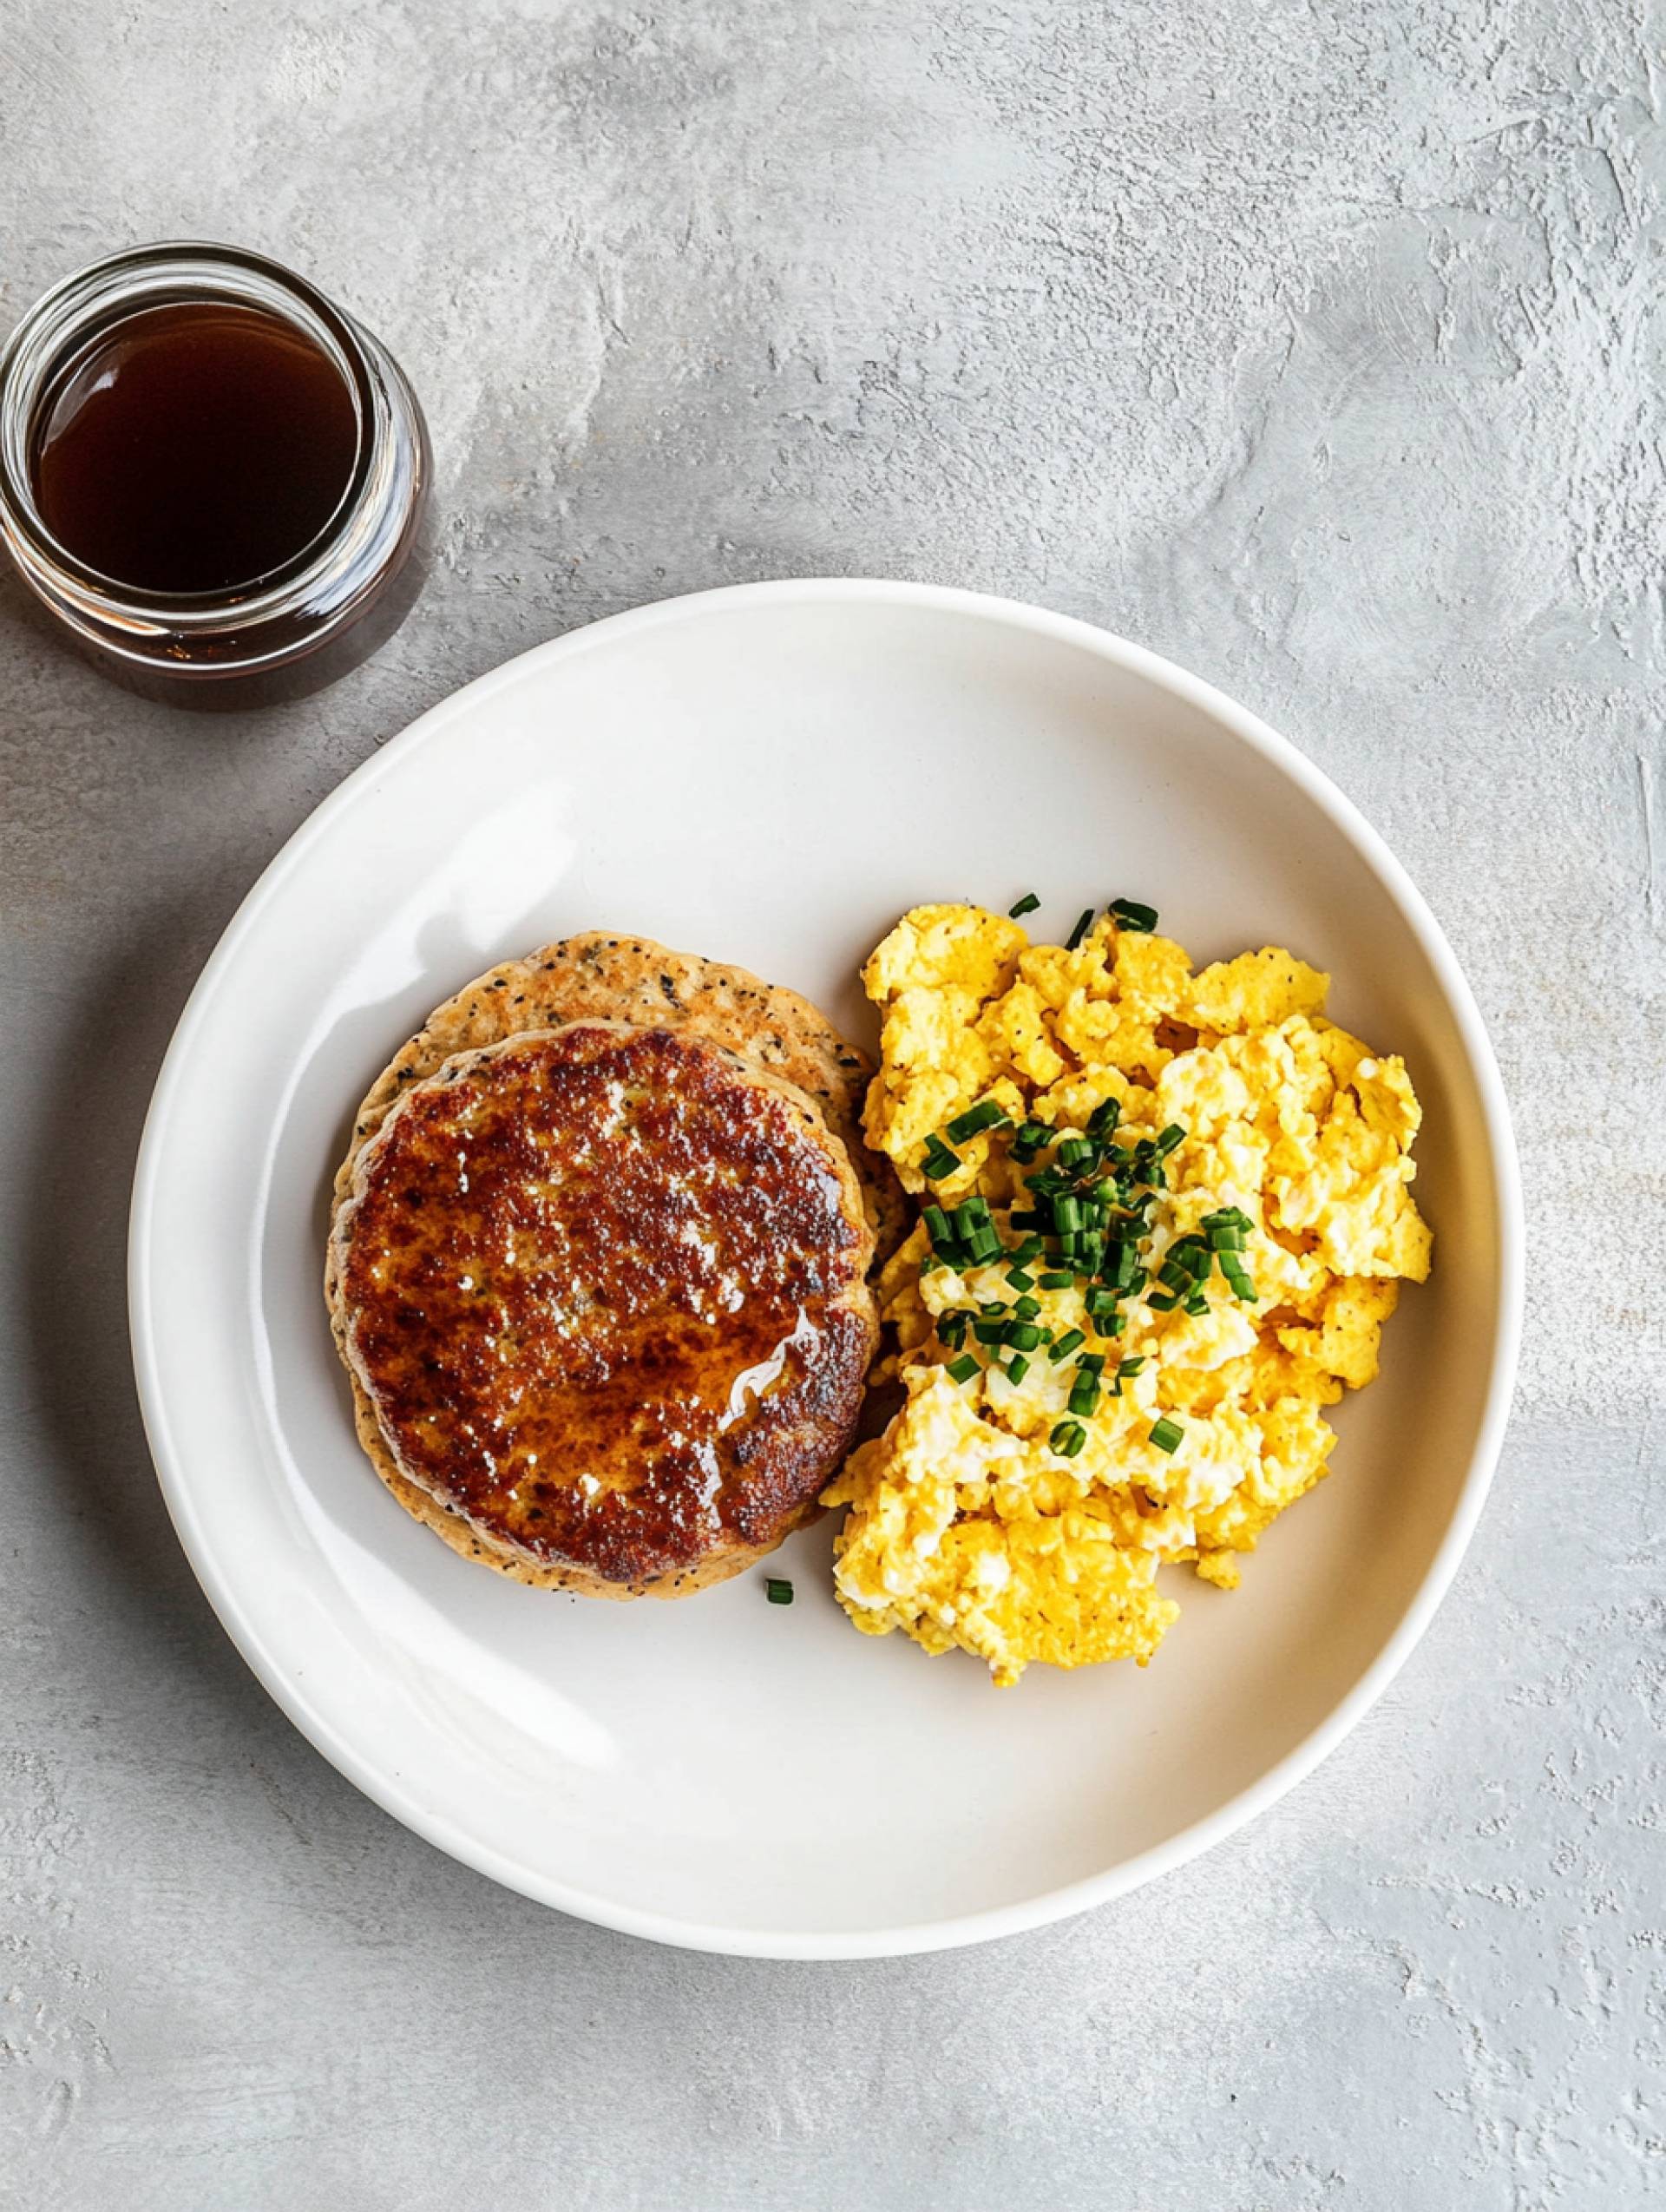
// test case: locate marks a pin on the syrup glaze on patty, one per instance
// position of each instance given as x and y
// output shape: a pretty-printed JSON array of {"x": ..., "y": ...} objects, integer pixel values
[{"x": 603, "y": 1288}]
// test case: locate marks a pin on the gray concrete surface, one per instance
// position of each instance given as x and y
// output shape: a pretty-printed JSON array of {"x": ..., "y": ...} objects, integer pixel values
[{"x": 1321, "y": 348}]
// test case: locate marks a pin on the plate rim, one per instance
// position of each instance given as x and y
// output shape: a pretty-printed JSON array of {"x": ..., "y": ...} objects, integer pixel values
[{"x": 404, "y": 1803}]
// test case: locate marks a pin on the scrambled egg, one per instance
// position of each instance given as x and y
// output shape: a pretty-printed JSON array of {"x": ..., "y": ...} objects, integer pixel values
[{"x": 981, "y": 1519}]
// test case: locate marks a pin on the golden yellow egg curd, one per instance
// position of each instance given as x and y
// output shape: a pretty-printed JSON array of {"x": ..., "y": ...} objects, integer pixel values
[{"x": 1165, "y": 1213}]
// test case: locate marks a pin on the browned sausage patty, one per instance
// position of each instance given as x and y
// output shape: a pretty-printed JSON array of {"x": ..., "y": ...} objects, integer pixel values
[{"x": 602, "y": 1291}]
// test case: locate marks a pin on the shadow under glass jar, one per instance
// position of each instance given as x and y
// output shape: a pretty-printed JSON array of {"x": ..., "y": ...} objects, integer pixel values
[{"x": 196, "y": 341}]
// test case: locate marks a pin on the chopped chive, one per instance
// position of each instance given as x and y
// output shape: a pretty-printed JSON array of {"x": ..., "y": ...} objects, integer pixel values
[
  {"x": 1225, "y": 1239},
  {"x": 1166, "y": 1434},
  {"x": 1113, "y": 1324},
  {"x": 1021, "y": 1336},
  {"x": 962, "y": 1369},
  {"x": 1091, "y": 1363},
  {"x": 1025, "y": 1308},
  {"x": 939, "y": 1160},
  {"x": 1057, "y": 1278},
  {"x": 1100, "y": 1303},
  {"x": 777, "y": 1591},
  {"x": 1084, "y": 925},
  {"x": 1101, "y": 1123},
  {"x": 1028, "y": 1140},
  {"x": 1174, "y": 1276},
  {"x": 1065, "y": 1345},
  {"x": 1085, "y": 1396},
  {"x": 1173, "y": 1135},
  {"x": 1160, "y": 1302},
  {"x": 1020, "y": 1281},
  {"x": 1228, "y": 1217},
  {"x": 1016, "y": 1368},
  {"x": 1027, "y": 904},
  {"x": 989, "y": 1332},
  {"x": 976, "y": 1120},
  {"x": 1129, "y": 914},
  {"x": 938, "y": 1227},
  {"x": 951, "y": 1327},
  {"x": 1131, "y": 1367},
  {"x": 1028, "y": 1248},
  {"x": 1197, "y": 1304},
  {"x": 1075, "y": 1151},
  {"x": 1067, "y": 1439},
  {"x": 1066, "y": 1215}
]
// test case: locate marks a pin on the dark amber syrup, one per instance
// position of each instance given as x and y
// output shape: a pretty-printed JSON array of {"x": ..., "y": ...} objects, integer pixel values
[{"x": 196, "y": 448}]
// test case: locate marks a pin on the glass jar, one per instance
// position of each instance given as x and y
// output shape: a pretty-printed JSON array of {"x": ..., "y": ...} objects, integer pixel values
[{"x": 278, "y": 635}]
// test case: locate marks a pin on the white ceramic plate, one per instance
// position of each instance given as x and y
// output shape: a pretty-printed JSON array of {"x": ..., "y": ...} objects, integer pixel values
[{"x": 769, "y": 775}]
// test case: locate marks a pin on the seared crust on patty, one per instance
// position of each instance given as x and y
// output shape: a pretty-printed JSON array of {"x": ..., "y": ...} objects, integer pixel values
[
  {"x": 602, "y": 1293},
  {"x": 597, "y": 977}
]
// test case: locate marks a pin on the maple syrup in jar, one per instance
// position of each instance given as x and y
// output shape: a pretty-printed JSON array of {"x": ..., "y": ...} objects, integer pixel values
[{"x": 213, "y": 477}]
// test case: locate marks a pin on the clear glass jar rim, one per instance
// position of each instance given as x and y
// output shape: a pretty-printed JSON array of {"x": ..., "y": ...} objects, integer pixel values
[{"x": 174, "y": 271}]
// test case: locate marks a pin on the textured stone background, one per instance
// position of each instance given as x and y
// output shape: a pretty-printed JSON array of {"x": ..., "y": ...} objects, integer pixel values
[{"x": 1320, "y": 348}]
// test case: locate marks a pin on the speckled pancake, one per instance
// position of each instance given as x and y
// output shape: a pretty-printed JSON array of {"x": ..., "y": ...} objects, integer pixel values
[
  {"x": 602, "y": 977},
  {"x": 602, "y": 1294}
]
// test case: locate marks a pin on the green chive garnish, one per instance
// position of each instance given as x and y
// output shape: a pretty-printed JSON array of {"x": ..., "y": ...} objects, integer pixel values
[
  {"x": 951, "y": 1327},
  {"x": 1100, "y": 1303},
  {"x": 989, "y": 1332},
  {"x": 962, "y": 1369},
  {"x": 1160, "y": 1302},
  {"x": 1065, "y": 1345},
  {"x": 1118, "y": 1268},
  {"x": 1085, "y": 1396},
  {"x": 1129, "y": 914},
  {"x": 1028, "y": 1141},
  {"x": 1056, "y": 1278},
  {"x": 986, "y": 1115},
  {"x": 1166, "y": 1434},
  {"x": 1173, "y": 1135},
  {"x": 1129, "y": 1366},
  {"x": 1102, "y": 1122},
  {"x": 1025, "y": 1308},
  {"x": 1016, "y": 1368},
  {"x": 779, "y": 1592},
  {"x": 1027, "y": 904},
  {"x": 1022, "y": 1336},
  {"x": 1084, "y": 925},
  {"x": 940, "y": 1230},
  {"x": 939, "y": 1160},
  {"x": 1067, "y": 1439},
  {"x": 1020, "y": 1281}
]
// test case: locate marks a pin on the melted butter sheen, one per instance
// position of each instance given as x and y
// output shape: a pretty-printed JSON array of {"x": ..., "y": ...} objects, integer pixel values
[{"x": 596, "y": 1282}]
